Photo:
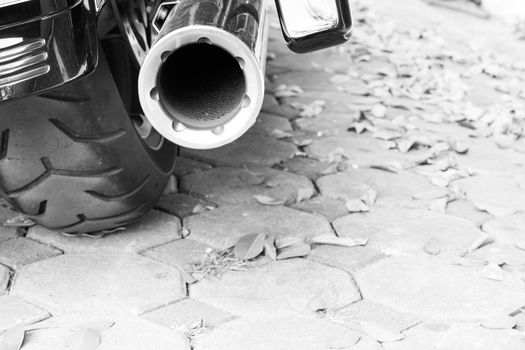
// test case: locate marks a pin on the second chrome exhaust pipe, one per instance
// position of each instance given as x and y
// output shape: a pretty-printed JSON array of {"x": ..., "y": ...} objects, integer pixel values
[{"x": 201, "y": 84}]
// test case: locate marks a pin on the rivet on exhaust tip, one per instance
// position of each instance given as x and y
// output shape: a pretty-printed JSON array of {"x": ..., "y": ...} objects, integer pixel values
[
  {"x": 154, "y": 94},
  {"x": 218, "y": 130},
  {"x": 164, "y": 56},
  {"x": 204, "y": 40},
  {"x": 242, "y": 63},
  {"x": 177, "y": 126},
  {"x": 246, "y": 101}
]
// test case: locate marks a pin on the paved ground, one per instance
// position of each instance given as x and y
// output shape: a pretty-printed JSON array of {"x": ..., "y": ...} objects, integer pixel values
[{"x": 425, "y": 108}]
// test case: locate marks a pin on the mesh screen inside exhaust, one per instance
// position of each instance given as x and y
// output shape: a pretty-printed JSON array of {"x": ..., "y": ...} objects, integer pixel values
[{"x": 201, "y": 85}]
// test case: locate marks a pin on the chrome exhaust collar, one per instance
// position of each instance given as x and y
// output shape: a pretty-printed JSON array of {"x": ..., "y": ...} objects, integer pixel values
[{"x": 201, "y": 84}]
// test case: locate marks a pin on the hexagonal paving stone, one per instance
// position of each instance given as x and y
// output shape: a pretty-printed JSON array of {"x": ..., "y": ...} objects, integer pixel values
[
  {"x": 328, "y": 207},
  {"x": 436, "y": 289},
  {"x": 394, "y": 190},
  {"x": 8, "y": 233},
  {"x": 22, "y": 251},
  {"x": 345, "y": 258},
  {"x": 277, "y": 288},
  {"x": 153, "y": 229},
  {"x": 187, "y": 312},
  {"x": 507, "y": 229},
  {"x": 267, "y": 124},
  {"x": 499, "y": 195},
  {"x": 185, "y": 166},
  {"x": 15, "y": 311},
  {"x": 485, "y": 157},
  {"x": 222, "y": 228},
  {"x": 328, "y": 124},
  {"x": 466, "y": 210},
  {"x": 238, "y": 185},
  {"x": 279, "y": 333},
  {"x": 5, "y": 274},
  {"x": 474, "y": 337},
  {"x": 360, "y": 150},
  {"x": 99, "y": 283},
  {"x": 249, "y": 149},
  {"x": 182, "y": 205},
  {"x": 180, "y": 253},
  {"x": 369, "y": 311},
  {"x": 311, "y": 168},
  {"x": 398, "y": 231},
  {"x": 125, "y": 334}
]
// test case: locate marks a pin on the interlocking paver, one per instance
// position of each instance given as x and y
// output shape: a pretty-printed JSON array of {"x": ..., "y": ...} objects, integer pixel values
[
  {"x": 507, "y": 229},
  {"x": 99, "y": 283},
  {"x": 394, "y": 190},
  {"x": 329, "y": 124},
  {"x": 221, "y": 228},
  {"x": 238, "y": 185},
  {"x": 497, "y": 194},
  {"x": 22, "y": 251},
  {"x": 311, "y": 168},
  {"x": 182, "y": 205},
  {"x": 271, "y": 125},
  {"x": 185, "y": 166},
  {"x": 8, "y": 233},
  {"x": 188, "y": 312},
  {"x": 15, "y": 311},
  {"x": 398, "y": 231},
  {"x": 474, "y": 337},
  {"x": 129, "y": 333},
  {"x": 467, "y": 210},
  {"x": 359, "y": 150},
  {"x": 248, "y": 150},
  {"x": 279, "y": 333},
  {"x": 154, "y": 229},
  {"x": 348, "y": 259},
  {"x": 328, "y": 207},
  {"x": 279, "y": 288},
  {"x": 5, "y": 274},
  {"x": 369, "y": 311},
  {"x": 181, "y": 253},
  {"x": 436, "y": 289}
]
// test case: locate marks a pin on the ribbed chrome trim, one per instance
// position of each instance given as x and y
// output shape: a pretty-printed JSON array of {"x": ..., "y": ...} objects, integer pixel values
[{"x": 23, "y": 61}]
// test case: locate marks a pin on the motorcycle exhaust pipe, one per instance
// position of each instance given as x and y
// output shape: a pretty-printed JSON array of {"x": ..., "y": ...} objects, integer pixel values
[{"x": 201, "y": 84}]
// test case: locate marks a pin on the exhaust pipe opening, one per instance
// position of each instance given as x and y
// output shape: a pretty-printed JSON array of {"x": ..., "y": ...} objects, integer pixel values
[{"x": 201, "y": 85}]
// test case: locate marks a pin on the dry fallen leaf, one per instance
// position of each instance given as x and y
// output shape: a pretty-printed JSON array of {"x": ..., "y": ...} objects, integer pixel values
[
  {"x": 482, "y": 240},
  {"x": 500, "y": 322},
  {"x": 356, "y": 206},
  {"x": 267, "y": 200},
  {"x": 252, "y": 178},
  {"x": 439, "y": 205},
  {"x": 287, "y": 91},
  {"x": 249, "y": 246},
  {"x": 313, "y": 109},
  {"x": 380, "y": 333},
  {"x": 297, "y": 250},
  {"x": 325, "y": 300},
  {"x": 283, "y": 242},
  {"x": 339, "y": 241},
  {"x": 378, "y": 111},
  {"x": 98, "y": 325},
  {"x": 493, "y": 272},
  {"x": 304, "y": 193},
  {"x": 369, "y": 198},
  {"x": 432, "y": 247},
  {"x": 345, "y": 341},
  {"x": 13, "y": 338},
  {"x": 83, "y": 339},
  {"x": 19, "y": 221}
]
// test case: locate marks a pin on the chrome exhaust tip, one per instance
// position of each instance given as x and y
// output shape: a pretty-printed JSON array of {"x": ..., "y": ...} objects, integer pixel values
[{"x": 201, "y": 86}]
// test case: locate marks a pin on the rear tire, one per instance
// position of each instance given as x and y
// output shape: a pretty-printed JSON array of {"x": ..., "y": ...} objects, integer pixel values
[{"x": 72, "y": 160}]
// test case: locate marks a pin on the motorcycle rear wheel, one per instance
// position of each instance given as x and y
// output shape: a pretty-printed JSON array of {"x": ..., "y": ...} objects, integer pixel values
[{"x": 73, "y": 161}]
